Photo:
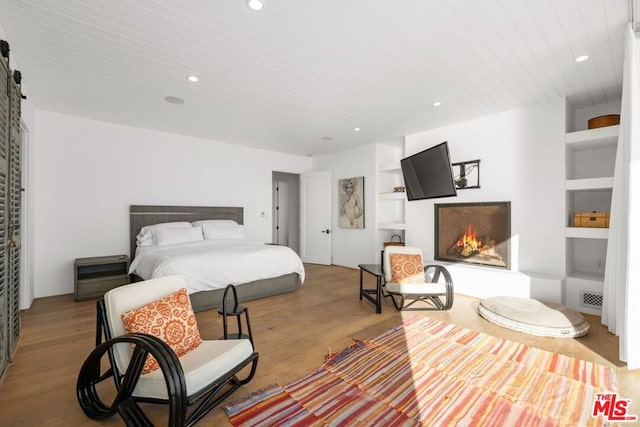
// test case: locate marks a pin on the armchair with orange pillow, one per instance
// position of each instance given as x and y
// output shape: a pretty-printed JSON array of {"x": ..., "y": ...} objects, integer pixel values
[
  {"x": 413, "y": 285},
  {"x": 148, "y": 334}
]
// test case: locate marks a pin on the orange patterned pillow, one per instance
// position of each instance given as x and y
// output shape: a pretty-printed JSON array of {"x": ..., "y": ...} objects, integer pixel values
[
  {"x": 171, "y": 319},
  {"x": 406, "y": 268}
]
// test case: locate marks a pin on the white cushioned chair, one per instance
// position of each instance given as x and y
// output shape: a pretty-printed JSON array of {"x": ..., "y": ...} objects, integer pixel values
[
  {"x": 203, "y": 377},
  {"x": 408, "y": 281}
]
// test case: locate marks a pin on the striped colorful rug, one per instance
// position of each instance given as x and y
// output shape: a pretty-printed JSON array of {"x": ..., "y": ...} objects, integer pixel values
[{"x": 427, "y": 372}]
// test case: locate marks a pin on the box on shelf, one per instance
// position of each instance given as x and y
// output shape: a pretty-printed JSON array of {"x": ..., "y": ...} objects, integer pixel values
[{"x": 591, "y": 219}]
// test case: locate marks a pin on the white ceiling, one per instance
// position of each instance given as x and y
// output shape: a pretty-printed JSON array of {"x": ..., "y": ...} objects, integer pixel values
[{"x": 283, "y": 78}]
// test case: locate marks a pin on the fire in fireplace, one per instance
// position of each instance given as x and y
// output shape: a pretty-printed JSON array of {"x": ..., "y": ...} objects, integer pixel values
[{"x": 476, "y": 233}]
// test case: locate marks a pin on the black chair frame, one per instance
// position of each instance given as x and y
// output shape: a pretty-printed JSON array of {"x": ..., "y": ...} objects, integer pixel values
[
  {"x": 236, "y": 310},
  {"x": 125, "y": 404}
]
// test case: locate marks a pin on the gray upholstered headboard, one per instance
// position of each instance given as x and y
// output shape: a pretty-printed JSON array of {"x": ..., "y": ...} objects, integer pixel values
[{"x": 141, "y": 215}]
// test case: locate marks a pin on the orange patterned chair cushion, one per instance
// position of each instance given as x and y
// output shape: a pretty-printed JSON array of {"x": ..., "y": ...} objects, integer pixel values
[
  {"x": 406, "y": 268},
  {"x": 171, "y": 319}
]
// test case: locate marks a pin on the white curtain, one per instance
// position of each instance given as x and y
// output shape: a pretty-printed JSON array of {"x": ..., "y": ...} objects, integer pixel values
[{"x": 621, "y": 296}]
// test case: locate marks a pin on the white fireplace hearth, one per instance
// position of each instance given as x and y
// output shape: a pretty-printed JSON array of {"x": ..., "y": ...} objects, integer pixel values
[{"x": 484, "y": 282}]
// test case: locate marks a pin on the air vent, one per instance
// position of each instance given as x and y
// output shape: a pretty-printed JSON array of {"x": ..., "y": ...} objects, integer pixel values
[{"x": 591, "y": 299}]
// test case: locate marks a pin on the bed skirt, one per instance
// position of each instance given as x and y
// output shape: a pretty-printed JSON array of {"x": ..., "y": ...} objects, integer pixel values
[{"x": 207, "y": 300}]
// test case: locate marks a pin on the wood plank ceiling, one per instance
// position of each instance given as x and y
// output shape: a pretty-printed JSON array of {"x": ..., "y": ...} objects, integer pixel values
[{"x": 283, "y": 78}]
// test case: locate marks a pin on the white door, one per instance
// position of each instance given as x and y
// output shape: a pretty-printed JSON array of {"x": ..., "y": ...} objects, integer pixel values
[{"x": 315, "y": 215}]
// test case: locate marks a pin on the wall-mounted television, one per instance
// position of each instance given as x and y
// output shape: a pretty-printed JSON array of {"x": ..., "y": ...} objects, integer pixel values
[{"x": 428, "y": 174}]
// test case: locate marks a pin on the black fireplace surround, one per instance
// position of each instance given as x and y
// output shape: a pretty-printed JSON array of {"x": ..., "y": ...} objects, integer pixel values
[{"x": 473, "y": 233}]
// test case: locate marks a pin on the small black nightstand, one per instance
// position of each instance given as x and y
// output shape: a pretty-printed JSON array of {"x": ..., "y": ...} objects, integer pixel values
[{"x": 96, "y": 275}]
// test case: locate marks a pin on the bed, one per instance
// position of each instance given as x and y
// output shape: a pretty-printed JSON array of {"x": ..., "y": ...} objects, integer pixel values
[{"x": 258, "y": 270}]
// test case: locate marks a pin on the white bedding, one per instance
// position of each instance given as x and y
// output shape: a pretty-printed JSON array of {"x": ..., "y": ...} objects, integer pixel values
[{"x": 213, "y": 264}]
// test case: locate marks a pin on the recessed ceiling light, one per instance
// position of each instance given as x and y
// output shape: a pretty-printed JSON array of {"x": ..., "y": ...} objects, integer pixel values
[
  {"x": 582, "y": 58},
  {"x": 437, "y": 104},
  {"x": 256, "y": 5},
  {"x": 356, "y": 129},
  {"x": 192, "y": 78},
  {"x": 174, "y": 100}
]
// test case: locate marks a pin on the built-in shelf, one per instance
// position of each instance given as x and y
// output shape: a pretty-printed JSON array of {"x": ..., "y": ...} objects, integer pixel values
[
  {"x": 389, "y": 167},
  {"x": 587, "y": 276},
  {"x": 586, "y": 184},
  {"x": 390, "y": 226},
  {"x": 587, "y": 233},
  {"x": 390, "y": 206},
  {"x": 590, "y": 164},
  {"x": 392, "y": 196},
  {"x": 593, "y": 138}
]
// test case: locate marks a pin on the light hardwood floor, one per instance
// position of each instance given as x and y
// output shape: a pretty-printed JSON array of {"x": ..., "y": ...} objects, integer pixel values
[{"x": 293, "y": 333}]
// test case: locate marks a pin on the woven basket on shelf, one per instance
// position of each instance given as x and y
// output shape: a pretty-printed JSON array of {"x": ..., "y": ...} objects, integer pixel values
[{"x": 393, "y": 242}]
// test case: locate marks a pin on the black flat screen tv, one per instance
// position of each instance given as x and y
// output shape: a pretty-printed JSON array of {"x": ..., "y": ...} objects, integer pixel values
[{"x": 428, "y": 174}]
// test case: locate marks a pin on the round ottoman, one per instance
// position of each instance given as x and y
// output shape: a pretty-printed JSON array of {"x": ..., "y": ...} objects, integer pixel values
[{"x": 534, "y": 317}]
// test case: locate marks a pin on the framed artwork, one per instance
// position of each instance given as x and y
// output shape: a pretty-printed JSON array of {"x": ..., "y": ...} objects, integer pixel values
[{"x": 351, "y": 199}]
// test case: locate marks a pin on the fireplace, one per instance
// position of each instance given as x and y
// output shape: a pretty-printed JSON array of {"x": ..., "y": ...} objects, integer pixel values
[{"x": 475, "y": 233}]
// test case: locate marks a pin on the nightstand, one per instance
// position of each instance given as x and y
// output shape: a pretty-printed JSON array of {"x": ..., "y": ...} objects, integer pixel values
[{"x": 96, "y": 275}]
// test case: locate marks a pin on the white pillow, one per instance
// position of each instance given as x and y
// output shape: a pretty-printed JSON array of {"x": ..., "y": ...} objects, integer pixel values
[
  {"x": 214, "y": 232},
  {"x": 215, "y": 222},
  {"x": 174, "y": 236},
  {"x": 145, "y": 236}
]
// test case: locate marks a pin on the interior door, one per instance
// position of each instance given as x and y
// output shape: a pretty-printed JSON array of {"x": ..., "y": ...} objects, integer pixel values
[{"x": 316, "y": 217}]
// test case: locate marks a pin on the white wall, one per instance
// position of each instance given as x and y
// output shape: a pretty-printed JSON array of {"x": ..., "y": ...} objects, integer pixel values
[
  {"x": 87, "y": 173},
  {"x": 351, "y": 247},
  {"x": 522, "y": 161}
]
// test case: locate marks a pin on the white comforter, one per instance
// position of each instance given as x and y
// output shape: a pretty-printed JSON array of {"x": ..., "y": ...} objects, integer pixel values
[{"x": 213, "y": 264}]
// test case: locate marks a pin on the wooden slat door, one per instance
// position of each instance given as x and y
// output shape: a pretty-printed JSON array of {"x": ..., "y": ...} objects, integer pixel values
[
  {"x": 14, "y": 200},
  {"x": 4, "y": 157}
]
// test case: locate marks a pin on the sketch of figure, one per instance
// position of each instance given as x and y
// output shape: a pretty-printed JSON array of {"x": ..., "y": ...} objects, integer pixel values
[{"x": 351, "y": 203}]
